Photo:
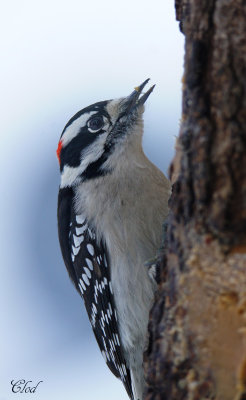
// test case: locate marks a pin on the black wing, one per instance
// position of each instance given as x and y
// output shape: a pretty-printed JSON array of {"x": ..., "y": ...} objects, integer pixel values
[{"x": 88, "y": 266}]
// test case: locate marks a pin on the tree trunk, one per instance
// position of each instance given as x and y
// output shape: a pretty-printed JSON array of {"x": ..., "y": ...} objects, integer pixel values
[{"x": 197, "y": 346}]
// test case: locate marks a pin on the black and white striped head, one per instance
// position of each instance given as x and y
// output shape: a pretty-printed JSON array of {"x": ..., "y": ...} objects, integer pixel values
[{"x": 97, "y": 134}]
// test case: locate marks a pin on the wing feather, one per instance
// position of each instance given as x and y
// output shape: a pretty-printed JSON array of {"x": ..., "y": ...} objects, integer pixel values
[{"x": 88, "y": 265}]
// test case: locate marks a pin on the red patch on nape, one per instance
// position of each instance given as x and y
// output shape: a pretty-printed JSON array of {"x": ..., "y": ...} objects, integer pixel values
[{"x": 58, "y": 151}]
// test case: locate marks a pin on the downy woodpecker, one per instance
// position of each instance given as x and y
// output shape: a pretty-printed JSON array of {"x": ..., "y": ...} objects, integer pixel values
[{"x": 111, "y": 206}]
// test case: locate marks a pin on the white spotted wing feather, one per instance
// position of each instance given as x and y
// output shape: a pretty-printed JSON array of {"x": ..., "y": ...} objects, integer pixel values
[{"x": 92, "y": 269}]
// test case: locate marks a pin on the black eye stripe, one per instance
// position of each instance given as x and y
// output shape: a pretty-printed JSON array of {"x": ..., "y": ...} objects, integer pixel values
[
  {"x": 98, "y": 107},
  {"x": 70, "y": 154}
]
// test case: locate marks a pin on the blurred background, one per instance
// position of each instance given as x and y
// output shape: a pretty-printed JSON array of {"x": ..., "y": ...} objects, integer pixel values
[{"x": 56, "y": 58}]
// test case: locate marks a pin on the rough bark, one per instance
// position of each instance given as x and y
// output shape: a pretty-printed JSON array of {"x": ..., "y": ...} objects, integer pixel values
[{"x": 197, "y": 346}]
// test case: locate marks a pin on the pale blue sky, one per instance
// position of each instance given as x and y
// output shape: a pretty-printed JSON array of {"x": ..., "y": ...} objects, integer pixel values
[{"x": 56, "y": 58}]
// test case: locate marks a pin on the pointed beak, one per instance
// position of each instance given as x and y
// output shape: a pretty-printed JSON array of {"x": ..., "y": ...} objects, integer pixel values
[
  {"x": 128, "y": 106},
  {"x": 135, "y": 99}
]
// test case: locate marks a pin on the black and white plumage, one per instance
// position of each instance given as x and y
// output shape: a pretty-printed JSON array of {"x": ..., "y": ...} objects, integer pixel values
[
  {"x": 88, "y": 266},
  {"x": 111, "y": 205}
]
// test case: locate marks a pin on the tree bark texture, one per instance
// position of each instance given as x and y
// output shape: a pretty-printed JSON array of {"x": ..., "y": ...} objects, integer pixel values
[{"x": 197, "y": 329}]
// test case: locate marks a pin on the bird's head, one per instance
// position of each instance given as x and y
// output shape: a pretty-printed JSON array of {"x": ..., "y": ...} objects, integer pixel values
[{"x": 94, "y": 138}]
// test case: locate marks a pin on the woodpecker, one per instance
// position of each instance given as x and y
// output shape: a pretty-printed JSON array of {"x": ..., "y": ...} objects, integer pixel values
[{"x": 112, "y": 202}]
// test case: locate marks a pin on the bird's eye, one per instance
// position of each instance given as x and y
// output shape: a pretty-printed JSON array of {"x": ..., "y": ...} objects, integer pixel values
[{"x": 96, "y": 123}]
